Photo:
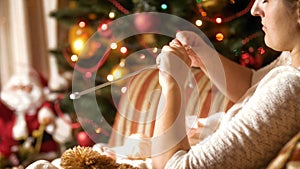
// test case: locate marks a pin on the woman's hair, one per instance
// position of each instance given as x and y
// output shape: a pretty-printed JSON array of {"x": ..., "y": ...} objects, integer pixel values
[{"x": 291, "y": 4}]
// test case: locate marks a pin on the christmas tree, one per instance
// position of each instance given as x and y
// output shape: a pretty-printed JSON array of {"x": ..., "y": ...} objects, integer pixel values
[{"x": 227, "y": 23}]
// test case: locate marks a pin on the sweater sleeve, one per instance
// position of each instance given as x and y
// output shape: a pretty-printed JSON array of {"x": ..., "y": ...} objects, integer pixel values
[{"x": 256, "y": 133}]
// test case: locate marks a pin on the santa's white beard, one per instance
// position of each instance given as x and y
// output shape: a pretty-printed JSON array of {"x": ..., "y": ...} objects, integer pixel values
[{"x": 22, "y": 101}]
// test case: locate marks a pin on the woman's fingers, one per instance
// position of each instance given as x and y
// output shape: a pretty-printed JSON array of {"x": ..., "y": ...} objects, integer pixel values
[
  {"x": 173, "y": 61},
  {"x": 178, "y": 49},
  {"x": 175, "y": 43}
]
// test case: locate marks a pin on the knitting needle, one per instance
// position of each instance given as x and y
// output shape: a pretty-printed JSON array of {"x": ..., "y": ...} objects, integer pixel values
[{"x": 77, "y": 95}]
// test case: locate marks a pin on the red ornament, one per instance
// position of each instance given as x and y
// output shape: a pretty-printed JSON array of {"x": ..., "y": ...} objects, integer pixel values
[
  {"x": 84, "y": 140},
  {"x": 146, "y": 22},
  {"x": 246, "y": 60},
  {"x": 258, "y": 61}
]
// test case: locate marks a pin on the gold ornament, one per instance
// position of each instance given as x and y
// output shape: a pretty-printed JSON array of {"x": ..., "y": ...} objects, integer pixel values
[
  {"x": 78, "y": 36},
  {"x": 148, "y": 38},
  {"x": 92, "y": 16},
  {"x": 72, "y": 4},
  {"x": 214, "y": 5}
]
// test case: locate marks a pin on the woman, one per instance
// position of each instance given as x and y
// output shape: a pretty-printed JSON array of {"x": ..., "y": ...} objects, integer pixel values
[{"x": 267, "y": 110}]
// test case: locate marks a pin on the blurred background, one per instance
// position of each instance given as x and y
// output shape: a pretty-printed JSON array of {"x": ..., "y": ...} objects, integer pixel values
[{"x": 51, "y": 36}]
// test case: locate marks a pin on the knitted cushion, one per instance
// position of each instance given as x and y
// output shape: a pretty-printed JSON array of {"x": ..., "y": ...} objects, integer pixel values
[{"x": 138, "y": 106}]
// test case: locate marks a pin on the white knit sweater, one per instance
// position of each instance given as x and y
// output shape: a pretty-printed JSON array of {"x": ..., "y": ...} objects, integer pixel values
[{"x": 255, "y": 128}]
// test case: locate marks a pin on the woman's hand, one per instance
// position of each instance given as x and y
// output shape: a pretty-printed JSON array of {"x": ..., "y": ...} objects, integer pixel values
[
  {"x": 192, "y": 42},
  {"x": 231, "y": 78},
  {"x": 174, "y": 64}
]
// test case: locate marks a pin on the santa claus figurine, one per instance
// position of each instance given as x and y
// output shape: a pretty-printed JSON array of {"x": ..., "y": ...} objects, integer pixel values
[{"x": 27, "y": 118}]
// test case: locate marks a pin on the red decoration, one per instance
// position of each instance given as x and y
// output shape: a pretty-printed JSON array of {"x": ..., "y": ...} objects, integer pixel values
[
  {"x": 67, "y": 53},
  {"x": 251, "y": 61},
  {"x": 83, "y": 139},
  {"x": 119, "y": 6},
  {"x": 258, "y": 61},
  {"x": 249, "y": 38},
  {"x": 146, "y": 22},
  {"x": 225, "y": 19},
  {"x": 246, "y": 59}
]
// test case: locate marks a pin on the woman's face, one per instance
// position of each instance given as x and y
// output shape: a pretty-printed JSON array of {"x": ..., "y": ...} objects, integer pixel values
[{"x": 279, "y": 23}]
